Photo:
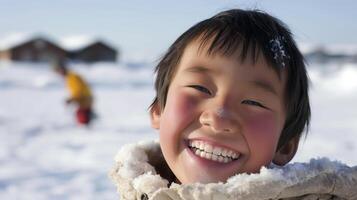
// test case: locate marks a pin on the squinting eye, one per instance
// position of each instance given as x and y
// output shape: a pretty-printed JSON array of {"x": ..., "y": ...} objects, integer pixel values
[
  {"x": 201, "y": 89},
  {"x": 253, "y": 103}
]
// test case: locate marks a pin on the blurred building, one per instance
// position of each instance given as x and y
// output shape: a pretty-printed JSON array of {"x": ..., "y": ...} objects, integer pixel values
[
  {"x": 331, "y": 53},
  {"x": 93, "y": 52},
  {"x": 41, "y": 49},
  {"x": 36, "y": 49},
  {"x": 323, "y": 56}
]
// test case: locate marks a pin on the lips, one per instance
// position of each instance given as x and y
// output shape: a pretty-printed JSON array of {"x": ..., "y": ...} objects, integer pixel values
[{"x": 211, "y": 152}]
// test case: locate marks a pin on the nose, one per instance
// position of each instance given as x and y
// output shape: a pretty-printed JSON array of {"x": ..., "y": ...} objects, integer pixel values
[{"x": 219, "y": 120}]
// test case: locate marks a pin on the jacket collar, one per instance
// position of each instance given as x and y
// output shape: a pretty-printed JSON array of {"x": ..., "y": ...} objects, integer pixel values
[{"x": 141, "y": 171}]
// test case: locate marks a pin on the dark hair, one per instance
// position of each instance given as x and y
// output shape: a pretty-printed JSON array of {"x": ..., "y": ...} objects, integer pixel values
[{"x": 255, "y": 32}]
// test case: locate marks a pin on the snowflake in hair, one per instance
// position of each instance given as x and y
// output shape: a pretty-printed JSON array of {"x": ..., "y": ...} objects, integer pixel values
[{"x": 278, "y": 49}]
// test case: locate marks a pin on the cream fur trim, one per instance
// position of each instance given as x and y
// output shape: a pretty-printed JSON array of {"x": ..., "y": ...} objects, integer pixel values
[{"x": 134, "y": 177}]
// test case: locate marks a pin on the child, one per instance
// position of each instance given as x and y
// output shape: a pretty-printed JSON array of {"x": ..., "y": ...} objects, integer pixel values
[
  {"x": 80, "y": 93},
  {"x": 231, "y": 101}
]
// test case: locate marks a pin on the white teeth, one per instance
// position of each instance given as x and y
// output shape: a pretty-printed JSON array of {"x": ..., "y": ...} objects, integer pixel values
[
  {"x": 202, "y": 146},
  {"x": 214, "y": 157},
  {"x": 217, "y": 151},
  {"x": 208, "y": 156},
  {"x": 209, "y": 152},
  {"x": 208, "y": 148},
  {"x": 230, "y": 153},
  {"x": 224, "y": 152}
]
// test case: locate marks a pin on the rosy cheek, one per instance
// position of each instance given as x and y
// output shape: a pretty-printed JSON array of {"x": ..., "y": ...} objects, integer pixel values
[
  {"x": 179, "y": 107},
  {"x": 262, "y": 125},
  {"x": 262, "y": 134},
  {"x": 177, "y": 115}
]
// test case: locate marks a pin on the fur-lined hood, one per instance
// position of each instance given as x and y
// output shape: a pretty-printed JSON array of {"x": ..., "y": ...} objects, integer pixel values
[{"x": 137, "y": 169}]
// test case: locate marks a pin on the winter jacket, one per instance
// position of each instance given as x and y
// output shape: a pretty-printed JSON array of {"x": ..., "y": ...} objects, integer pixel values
[
  {"x": 141, "y": 172},
  {"x": 79, "y": 90}
]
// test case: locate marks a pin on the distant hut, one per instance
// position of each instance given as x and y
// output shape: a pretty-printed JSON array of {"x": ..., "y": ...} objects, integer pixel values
[
  {"x": 35, "y": 49},
  {"x": 340, "y": 53},
  {"x": 325, "y": 55},
  {"x": 98, "y": 51},
  {"x": 319, "y": 55},
  {"x": 41, "y": 49},
  {"x": 84, "y": 49}
]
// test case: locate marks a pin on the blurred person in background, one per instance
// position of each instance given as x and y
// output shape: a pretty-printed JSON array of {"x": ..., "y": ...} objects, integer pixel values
[{"x": 79, "y": 90}]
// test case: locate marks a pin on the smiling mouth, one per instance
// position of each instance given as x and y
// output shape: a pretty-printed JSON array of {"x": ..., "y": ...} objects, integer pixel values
[{"x": 214, "y": 153}]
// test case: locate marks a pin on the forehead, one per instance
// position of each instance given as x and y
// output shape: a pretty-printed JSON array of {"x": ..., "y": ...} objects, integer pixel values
[
  {"x": 197, "y": 58},
  {"x": 248, "y": 56}
]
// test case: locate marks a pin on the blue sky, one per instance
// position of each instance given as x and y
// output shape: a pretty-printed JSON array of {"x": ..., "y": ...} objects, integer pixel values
[{"x": 144, "y": 29}]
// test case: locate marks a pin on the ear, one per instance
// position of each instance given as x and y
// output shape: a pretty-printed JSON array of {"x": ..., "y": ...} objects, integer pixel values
[
  {"x": 286, "y": 152},
  {"x": 155, "y": 114}
]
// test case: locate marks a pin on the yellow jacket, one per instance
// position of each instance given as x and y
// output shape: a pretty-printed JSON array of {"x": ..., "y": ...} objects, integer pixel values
[{"x": 79, "y": 90}]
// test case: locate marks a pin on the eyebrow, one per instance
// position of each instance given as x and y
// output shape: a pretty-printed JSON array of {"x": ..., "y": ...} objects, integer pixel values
[
  {"x": 198, "y": 69},
  {"x": 265, "y": 86}
]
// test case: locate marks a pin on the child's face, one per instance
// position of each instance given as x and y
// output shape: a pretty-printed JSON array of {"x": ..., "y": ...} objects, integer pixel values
[{"x": 218, "y": 105}]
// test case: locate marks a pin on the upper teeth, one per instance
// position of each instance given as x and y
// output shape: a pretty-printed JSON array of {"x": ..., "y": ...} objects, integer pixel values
[{"x": 216, "y": 151}]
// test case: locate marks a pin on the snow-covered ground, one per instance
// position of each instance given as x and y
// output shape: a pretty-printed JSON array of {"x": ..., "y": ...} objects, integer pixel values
[{"x": 45, "y": 155}]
